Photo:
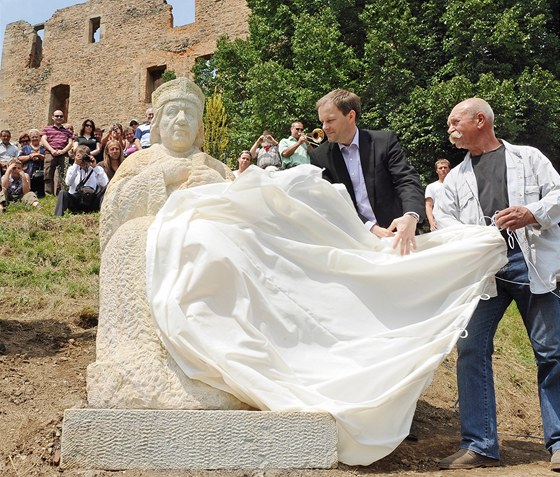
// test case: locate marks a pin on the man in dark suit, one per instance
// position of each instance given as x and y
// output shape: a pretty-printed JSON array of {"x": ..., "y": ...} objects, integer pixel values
[{"x": 385, "y": 188}]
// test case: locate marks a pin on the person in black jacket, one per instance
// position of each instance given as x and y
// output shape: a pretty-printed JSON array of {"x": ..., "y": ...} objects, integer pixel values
[{"x": 385, "y": 188}]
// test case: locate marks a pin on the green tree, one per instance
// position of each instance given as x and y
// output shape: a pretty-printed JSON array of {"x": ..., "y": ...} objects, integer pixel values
[
  {"x": 168, "y": 75},
  {"x": 502, "y": 37},
  {"x": 215, "y": 127},
  {"x": 409, "y": 61}
]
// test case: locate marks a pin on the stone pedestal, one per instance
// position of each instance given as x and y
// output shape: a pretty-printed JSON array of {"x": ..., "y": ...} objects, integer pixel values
[{"x": 116, "y": 439}]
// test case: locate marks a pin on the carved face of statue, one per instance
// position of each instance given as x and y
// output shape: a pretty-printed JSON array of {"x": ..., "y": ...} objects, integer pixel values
[
  {"x": 177, "y": 105},
  {"x": 179, "y": 125}
]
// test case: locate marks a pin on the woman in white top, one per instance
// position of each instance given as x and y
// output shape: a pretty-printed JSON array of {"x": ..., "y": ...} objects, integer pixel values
[{"x": 243, "y": 161}]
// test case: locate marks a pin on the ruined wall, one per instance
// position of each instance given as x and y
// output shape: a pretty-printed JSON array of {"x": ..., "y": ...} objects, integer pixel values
[{"x": 108, "y": 80}]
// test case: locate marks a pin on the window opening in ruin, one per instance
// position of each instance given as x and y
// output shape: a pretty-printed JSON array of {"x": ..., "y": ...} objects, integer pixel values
[
  {"x": 36, "y": 54},
  {"x": 182, "y": 13},
  {"x": 60, "y": 99},
  {"x": 95, "y": 30},
  {"x": 153, "y": 80}
]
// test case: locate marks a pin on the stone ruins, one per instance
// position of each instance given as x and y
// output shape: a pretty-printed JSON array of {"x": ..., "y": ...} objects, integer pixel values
[{"x": 102, "y": 59}]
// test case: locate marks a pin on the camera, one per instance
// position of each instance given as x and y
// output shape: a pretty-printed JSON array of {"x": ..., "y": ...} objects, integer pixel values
[{"x": 86, "y": 158}]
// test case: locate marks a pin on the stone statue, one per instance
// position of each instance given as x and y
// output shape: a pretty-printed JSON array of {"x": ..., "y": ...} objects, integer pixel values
[{"x": 133, "y": 369}]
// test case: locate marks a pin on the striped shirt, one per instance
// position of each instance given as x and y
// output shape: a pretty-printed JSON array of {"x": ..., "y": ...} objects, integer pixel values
[{"x": 57, "y": 137}]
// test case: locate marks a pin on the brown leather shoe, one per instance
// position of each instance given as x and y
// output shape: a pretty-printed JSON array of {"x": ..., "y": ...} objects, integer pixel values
[
  {"x": 555, "y": 461},
  {"x": 467, "y": 459}
]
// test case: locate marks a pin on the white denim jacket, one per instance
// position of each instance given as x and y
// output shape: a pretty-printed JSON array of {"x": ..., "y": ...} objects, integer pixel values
[{"x": 532, "y": 182}]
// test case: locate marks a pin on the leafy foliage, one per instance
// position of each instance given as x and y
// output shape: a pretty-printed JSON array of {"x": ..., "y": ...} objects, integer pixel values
[
  {"x": 215, "y": 127},
  {"x": 410, "y": 62},
  {"x": 168, "y": 75}
]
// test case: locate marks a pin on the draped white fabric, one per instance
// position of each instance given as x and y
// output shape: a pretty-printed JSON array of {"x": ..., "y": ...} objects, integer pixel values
[{"x": 270, "y": 288}]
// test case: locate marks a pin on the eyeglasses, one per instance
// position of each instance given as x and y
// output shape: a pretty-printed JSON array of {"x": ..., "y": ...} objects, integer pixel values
[
  {"x": 59, "y": 115},
  {"x": 298, "y": 129},
  {"x": 23, "y": 141}
]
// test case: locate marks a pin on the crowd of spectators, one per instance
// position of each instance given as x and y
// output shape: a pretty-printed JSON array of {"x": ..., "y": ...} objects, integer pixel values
[
  {"x": 269, "y": 154},
  {"x": 45, "y": 158},
  {"x": 76, "y": 167}
]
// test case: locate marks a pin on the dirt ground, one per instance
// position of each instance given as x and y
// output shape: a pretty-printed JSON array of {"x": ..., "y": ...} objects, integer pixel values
[{"x": 43, "y": 372}]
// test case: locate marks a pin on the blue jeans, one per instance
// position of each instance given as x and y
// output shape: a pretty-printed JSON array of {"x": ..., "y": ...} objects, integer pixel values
[{"x": 477, "y": 400}]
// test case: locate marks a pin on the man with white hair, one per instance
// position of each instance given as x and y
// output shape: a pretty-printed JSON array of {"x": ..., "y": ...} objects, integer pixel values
[{"x": 517, "y": 189}]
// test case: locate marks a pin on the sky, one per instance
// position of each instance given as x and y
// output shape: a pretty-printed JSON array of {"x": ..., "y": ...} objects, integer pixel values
[{"x": 39, "y": 11}]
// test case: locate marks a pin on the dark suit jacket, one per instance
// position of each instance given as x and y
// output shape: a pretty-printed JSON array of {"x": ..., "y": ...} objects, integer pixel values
[{"x": 392, "y": 184}]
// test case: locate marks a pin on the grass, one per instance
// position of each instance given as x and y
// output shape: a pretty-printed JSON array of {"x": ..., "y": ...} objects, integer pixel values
[
  {"x": 512, "y": 338},
  {"x": 47, "y": 261}
]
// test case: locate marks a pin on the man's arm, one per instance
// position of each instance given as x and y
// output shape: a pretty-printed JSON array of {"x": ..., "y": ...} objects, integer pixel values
[
  {"x": 72, "y": 174},
  {"x": 255, "y": 146},
  {"x": 101, "y": 176},
  {"x": 287, "y": 149},
  {"x": 541, "y": 196},
  {"x": 46, "y": 145},
  {"x": 405, "y": 179},
  {"x": 68, "y": 145},
  {"x": 430, "y": 214},
  {"x": 446, "y": 209},
  {"x": 26, "y": 182},
  {"x": 6, "y": 177},
  {"x": 406, "y": 183}
]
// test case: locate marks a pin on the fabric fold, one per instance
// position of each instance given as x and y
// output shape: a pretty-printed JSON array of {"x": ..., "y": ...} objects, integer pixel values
[{"x": 270, "y": 288}]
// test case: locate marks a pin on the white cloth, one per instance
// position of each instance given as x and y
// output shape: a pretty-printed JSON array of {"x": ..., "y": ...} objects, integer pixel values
[{"x": 271, "y": 289}]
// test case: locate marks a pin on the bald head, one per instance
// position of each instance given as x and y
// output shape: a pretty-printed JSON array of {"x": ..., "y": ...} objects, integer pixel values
[
  {"x": 473, "y": 106},
  {"x": 471, "y": 126}
]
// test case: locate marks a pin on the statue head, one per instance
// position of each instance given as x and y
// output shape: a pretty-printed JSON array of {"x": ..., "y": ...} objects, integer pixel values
[{"x": 177, "y": 124}]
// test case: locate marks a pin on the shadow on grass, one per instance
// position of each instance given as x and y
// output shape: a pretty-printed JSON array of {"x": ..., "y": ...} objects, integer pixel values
[{"x": 37, "y": 338}]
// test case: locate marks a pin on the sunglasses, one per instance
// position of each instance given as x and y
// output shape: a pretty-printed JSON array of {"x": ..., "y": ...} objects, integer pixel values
[
  {"x": 88, "y": 125},
  {"x": 298, "y": 129},
  {"x": 24, "y": 140},
  {"x": 58, "y": 115}
]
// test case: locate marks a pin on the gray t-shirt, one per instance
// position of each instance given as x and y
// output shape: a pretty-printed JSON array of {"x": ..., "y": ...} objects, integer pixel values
[{"x": 491, "y": 177}]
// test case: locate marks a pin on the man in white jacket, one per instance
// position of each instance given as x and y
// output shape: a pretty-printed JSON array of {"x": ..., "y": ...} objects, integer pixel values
[
  {"x": 516, "y": 189},
  {"x": 86, "y": 183}
]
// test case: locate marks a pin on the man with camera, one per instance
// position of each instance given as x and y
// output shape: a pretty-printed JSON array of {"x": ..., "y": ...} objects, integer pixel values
[{"x": 86, "y": 183}]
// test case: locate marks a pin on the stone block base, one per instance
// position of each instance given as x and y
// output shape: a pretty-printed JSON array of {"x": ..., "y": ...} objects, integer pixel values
[{"x": 118, "y": 439}]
